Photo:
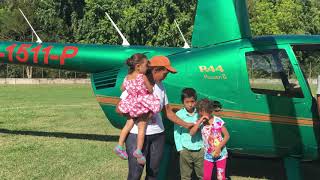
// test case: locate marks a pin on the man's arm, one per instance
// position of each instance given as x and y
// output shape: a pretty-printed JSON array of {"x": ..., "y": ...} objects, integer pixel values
[{"x": 174, "y": 118}]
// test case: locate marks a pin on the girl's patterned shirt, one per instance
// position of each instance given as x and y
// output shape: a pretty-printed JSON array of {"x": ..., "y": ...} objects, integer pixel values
[{"x": 212, "y": 137}]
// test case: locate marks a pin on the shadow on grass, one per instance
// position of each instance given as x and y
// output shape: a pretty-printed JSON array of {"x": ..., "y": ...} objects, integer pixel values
[
  {"x": 92, "y": 137},
  {"x": 267, "y": 168}
]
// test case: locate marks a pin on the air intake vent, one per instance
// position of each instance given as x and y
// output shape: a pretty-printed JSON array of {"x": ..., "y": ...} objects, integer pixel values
[{"x": 106, "y": 79}]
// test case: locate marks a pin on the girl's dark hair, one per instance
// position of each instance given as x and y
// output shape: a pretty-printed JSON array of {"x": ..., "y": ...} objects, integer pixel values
[
  {"x": 134, "y": 60},
  {"x": 188, "y": 93},
  {"x": 150, "y": 76},
  {"x": 208, "y": 106}
]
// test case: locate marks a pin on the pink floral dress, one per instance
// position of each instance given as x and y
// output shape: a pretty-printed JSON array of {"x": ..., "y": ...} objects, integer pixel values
[
  {"x": 212, "y": 137},
  {"x": 139, "y": 101}
]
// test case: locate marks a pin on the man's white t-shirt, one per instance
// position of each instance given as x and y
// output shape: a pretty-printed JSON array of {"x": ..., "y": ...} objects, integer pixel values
[
  {"x": 318, "y": 92},
  {"x": 155, "y": 124}
]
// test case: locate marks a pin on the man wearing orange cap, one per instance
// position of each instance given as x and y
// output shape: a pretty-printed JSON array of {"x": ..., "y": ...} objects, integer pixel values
[
  {"x": 162, "y": 61},
  {"x": 154, "y": 141}
]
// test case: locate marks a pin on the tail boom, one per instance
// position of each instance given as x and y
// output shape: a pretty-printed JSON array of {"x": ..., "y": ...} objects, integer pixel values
[{"x": 76, "y": 57}]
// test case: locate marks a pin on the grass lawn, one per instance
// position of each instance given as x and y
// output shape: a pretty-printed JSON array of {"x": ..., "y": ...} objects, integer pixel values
[{"x": 58, "y": 132}]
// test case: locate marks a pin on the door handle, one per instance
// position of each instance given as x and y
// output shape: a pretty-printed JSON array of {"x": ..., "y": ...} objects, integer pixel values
[{"x": 258, "y": 96}]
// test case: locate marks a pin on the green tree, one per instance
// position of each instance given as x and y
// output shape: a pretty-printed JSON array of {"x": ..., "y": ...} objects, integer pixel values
[
  {"x": 311, "y": 17},
  {"x": 287, "y": 16},
  {"x": 261, "y": 18}
]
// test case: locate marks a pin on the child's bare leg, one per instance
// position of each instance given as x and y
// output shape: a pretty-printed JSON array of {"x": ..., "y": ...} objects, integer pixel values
[
  {"x": 142, "y": 123},
  {"x": 119, "y": 149},
  {"x": 125, "y": 131}
]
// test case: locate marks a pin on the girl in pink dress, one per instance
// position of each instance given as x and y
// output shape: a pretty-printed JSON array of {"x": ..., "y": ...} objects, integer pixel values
[
  {"x": 139, "y": 105},
  {"x": 214, "y": 135}
]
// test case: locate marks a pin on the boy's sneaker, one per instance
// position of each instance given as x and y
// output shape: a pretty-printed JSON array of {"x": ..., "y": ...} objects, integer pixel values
[
  {"x": 140, "y": 157},
  {"x": 121, "y": 152}
]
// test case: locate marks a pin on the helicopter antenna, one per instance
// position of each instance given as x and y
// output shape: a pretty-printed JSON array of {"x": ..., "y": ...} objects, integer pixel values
[
  {"x": 38, "y": 39},
  {"x": 124, "y": 40},
  {"x": 186, "y": 45}
]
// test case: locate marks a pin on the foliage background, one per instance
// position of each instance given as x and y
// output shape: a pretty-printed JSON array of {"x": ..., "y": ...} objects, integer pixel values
[{"x": 144, "y": 22}]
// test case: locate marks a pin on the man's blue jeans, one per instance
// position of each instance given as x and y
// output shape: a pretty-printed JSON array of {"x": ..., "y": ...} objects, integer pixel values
[{"x": 152, "y": 150}]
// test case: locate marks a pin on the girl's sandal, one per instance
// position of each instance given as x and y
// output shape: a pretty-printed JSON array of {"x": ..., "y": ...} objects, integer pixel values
[
  {"x": 140, "y": 157},
  {"x": 119, "y": 151}
]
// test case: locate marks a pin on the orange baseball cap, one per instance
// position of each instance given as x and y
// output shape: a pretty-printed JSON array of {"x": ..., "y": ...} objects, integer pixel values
[{"x": 162, "y": 61}]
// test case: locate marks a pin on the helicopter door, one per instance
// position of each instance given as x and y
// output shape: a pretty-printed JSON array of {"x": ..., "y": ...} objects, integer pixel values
[
  {"x": 271, "y": 73},
  {"x": 275, "y": 95}
]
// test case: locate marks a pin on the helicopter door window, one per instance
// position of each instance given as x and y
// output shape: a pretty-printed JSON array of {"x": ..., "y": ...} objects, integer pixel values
[
  {"x": 308, "y": 56},
  {"x": 270, "y": 72}
]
